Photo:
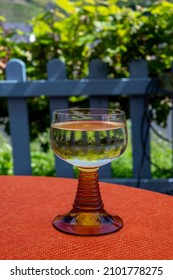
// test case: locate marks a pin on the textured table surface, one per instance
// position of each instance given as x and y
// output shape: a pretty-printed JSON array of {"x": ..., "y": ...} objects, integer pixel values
[{"x": 28, "y": 205}]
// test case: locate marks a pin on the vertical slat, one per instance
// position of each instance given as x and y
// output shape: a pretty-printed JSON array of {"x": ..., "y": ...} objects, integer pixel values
[
  {"x": 98, "y": 70},
  {"x": 56, "y": 70},
  {"x": 19, "y": 122},
  {"x": 138, "y": 69}
]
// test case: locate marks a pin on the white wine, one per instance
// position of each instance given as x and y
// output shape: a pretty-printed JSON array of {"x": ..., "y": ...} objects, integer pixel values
[{"x": 88, "y": 143}]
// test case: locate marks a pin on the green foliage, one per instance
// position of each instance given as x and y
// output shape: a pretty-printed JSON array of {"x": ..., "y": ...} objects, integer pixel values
[
  {"x": 8, "y": 48},
  {"x": 161, "y": 156},
  {"x": 77, "y": 32},
  {"x": 143, "y": 3},
  {"x": 6, "y": 167},
  {"x": 43, "y": 163}
]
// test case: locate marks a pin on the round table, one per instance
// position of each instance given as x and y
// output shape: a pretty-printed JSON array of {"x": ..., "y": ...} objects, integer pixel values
[{"x": 28, "y": 205}]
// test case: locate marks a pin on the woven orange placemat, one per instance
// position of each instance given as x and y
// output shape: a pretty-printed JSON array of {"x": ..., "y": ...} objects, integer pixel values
[{"x": 29, "y": 204}]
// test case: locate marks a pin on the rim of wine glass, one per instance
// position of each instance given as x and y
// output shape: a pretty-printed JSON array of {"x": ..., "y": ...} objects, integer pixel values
[{"x": 96, "y": 111}]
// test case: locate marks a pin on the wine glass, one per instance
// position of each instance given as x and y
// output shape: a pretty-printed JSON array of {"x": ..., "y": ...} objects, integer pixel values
[{"x": 88, "y": 138}]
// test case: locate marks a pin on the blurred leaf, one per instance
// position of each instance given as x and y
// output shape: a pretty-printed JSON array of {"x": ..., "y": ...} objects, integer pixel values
[
  {"x": 93, "y": 2},
  {"x": 90, "y": 8},
  {"x": 59, "y": 14},
  {"x": 2, "y": 18},
  {"x": 41, "y": 28},
  {"x": 86, "y": 39},
  {"x": 103, "y": 11},
  {"x": 66, "y": 5}
]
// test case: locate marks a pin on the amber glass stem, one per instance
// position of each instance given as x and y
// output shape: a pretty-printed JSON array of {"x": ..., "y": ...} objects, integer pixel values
[{"x": 88, "y": 197}]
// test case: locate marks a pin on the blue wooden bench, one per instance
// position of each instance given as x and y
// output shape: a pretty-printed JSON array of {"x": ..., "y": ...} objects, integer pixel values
[{"x": 58, "y": 88}]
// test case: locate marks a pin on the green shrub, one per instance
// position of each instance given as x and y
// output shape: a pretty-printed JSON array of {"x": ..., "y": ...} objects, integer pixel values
[
  {"x": 43, "y": 160},
  {"x": 161, "y": 156},
  {"x": 6, "y": 167},
  {"x": 43, "y": 163},
  {"x": 77, "y": 32}
]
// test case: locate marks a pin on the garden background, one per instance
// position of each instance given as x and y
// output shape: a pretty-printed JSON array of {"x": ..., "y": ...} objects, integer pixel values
[{"x": 76, "y": 32}]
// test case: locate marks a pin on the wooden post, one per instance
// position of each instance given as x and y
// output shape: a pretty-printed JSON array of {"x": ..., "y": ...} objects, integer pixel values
[
  {"x": 56, "y": 71},
  {"x": 19, "y": 122},
  {"x": 138, "y": 69},
  {"x": 98, "y": 70}
]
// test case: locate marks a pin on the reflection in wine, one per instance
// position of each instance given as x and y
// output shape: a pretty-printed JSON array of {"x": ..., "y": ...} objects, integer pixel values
[{"x": 88, "y": 143}]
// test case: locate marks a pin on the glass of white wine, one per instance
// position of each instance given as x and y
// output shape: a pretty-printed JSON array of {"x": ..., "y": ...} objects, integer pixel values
[{"x": 88, "y": 138}]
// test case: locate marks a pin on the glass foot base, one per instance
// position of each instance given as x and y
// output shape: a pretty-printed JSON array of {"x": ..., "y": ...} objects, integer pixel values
[{"x": 88, "y": 223}]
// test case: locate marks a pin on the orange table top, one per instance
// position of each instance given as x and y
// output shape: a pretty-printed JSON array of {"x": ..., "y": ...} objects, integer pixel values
[{"x": 28, "y": 205}]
